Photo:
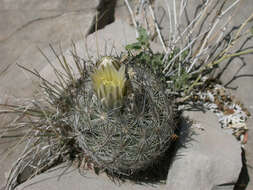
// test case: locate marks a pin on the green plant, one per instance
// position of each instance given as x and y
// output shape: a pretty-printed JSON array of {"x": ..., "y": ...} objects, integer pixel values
[
  {"x": 143, "y": 41},
  {"x": 141, "y": 54}
]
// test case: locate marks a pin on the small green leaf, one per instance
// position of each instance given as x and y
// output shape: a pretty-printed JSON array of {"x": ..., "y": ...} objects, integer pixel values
[
  {"x": 133, "y": 46},
  {"x": 143, "y": 37},
  {"x": 142, "y": 41}
]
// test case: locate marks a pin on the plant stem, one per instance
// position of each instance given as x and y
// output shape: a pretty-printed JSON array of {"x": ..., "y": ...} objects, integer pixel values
[{"x": 229, "y": 56}]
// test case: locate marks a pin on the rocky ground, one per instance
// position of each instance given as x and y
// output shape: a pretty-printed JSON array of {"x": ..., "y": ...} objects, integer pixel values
[{"x": 213, "y": 156}]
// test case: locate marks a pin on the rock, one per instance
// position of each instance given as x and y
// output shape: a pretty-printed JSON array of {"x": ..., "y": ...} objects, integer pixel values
[
  {"x": 209, "y": 159},
  {"x": 26, "y": 25},
  {"x": 249, "y": 155},
  {"x": 238, "y": 76},
  {"x": 71, "y": 179},
  {"x": 122, "y": 12}
]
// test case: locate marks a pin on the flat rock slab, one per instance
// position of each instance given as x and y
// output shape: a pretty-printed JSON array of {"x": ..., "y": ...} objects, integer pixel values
[
  {"x": 71, "y": 179},
  {"x": 210, "y": 157},
  {"x": 28, "y": 25}
]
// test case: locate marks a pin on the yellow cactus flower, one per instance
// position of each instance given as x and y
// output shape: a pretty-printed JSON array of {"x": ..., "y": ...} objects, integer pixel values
[{"x": 109, "y": 81}]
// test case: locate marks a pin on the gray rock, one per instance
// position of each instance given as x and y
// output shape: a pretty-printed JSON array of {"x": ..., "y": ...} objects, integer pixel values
[
  {"x": 210, "y": 158},
  {"x": 238, "y": 76},
  {"x": 71, "y": 179},
  {"x": 249, "y": 152},
  {"x": 27, "y": 25}
]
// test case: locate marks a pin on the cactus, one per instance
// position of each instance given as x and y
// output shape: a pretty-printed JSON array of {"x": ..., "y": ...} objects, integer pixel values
[{"x": 125, "y": 137}]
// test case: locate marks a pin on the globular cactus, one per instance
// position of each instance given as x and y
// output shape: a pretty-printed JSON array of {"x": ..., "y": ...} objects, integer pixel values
[{"x": 122, "y": 118}]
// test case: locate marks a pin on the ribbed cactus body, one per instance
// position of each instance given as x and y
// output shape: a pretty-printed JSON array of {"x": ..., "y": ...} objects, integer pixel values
[{"x": 129, "y": 137}]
